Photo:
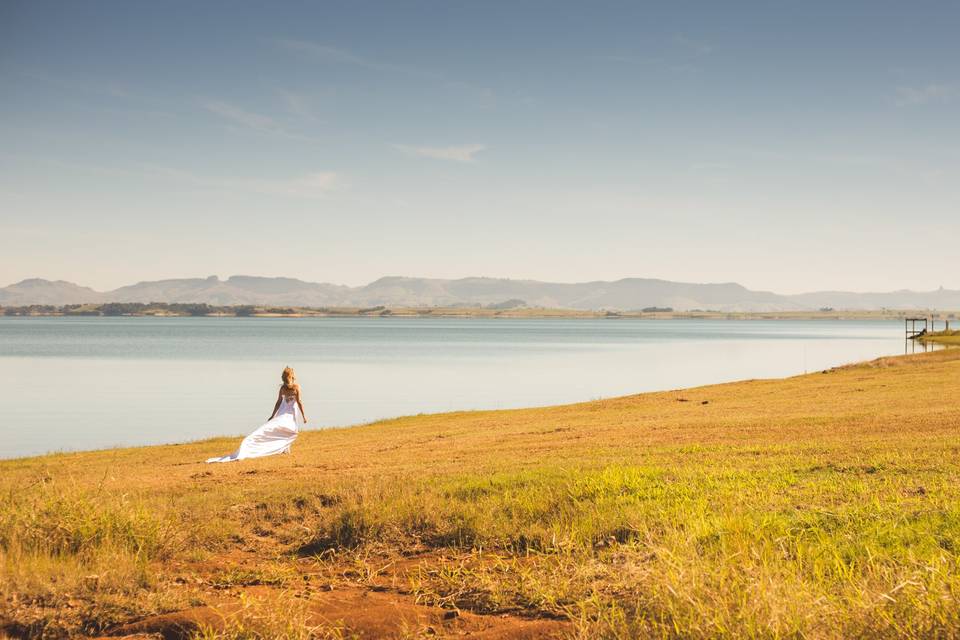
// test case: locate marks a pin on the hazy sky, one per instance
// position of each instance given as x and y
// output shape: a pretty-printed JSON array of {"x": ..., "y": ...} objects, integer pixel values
[{"x": 788, "y": 146}]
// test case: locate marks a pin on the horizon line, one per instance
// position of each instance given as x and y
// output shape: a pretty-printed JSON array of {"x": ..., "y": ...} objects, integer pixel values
[{"x": 217, "y": 278}]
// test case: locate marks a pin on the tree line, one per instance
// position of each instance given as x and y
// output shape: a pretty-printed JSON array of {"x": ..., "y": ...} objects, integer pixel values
[{"x": 139, "y": 308}]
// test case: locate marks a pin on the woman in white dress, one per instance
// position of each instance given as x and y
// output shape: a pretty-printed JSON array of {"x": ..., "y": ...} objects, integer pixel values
[{"x": 279, "y": 432}]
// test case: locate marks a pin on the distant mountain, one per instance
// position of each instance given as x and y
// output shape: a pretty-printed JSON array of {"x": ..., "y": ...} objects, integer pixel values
[
  {"x": 233, "y": 290},
  {"x": 627, "y": 294},
  {"x": 903, "y": 299},
  {"x": 39, "y": 291}
]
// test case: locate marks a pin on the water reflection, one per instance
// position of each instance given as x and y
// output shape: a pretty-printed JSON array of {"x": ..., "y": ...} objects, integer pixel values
[{"x": 921, "y": 346}]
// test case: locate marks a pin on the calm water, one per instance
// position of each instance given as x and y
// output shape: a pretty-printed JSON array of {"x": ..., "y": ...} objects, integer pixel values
[{"x": 88, "y": 383}]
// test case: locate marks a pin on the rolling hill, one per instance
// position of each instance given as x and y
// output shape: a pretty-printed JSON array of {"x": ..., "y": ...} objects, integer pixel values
[{"x": 626, "y": 294}]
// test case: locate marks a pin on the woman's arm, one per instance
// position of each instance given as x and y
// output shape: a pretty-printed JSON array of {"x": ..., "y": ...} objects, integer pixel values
[
  {"x": 300, "y": 404},
  {"x": 276, "y": 406}
]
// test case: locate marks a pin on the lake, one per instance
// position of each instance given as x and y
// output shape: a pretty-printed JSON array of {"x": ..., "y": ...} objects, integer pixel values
[{"x": 72, "y": 383}]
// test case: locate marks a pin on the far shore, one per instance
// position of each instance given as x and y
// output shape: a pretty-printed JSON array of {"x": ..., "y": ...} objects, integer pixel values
[{"x": 173, "y": 310}]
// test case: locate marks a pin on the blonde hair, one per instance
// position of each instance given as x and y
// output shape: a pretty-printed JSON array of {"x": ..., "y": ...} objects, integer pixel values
[{"x": 289, "y": 377}]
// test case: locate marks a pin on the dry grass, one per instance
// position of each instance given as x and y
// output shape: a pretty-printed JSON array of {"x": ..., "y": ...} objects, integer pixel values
[
  {"x": 823, "y": 506},
  {"x": 942, "y": 337},
  {"x": 270, "y": 619}
]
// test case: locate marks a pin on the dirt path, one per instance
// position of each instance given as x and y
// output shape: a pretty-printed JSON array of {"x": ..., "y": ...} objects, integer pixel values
[
  {"x": 330, "y": 598},
  {"x": 357, "y": 612}
]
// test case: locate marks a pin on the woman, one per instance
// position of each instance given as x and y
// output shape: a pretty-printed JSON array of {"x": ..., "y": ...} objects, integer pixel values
[{"x": 280, "y": 430}]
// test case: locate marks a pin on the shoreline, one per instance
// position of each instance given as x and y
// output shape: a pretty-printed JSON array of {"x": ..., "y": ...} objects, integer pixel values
[
  {"x": 441, "y": 414},
  {"x": 946, "y": 337}
]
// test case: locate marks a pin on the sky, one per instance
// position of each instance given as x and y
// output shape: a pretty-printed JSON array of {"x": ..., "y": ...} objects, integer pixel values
[{"x": 787, "y": 146}]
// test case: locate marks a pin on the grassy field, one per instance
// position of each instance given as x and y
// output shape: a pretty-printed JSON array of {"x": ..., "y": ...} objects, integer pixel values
[
  {"x": 818, "y": 506},
  {"x": 942, "y": 337}
]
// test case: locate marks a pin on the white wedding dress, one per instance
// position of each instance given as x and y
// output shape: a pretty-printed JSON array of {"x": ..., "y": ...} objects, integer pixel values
[{"x": 274, "y": 437}]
